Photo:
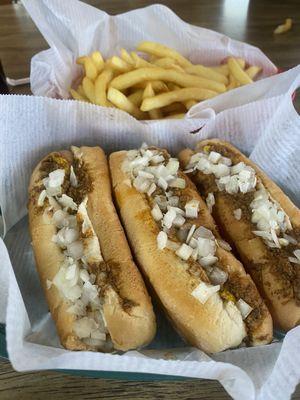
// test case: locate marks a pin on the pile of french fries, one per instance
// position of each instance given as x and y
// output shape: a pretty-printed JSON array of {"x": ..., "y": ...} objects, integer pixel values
[{"x": 161, "y": 84}]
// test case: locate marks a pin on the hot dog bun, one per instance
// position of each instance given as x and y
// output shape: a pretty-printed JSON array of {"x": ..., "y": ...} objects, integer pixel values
[
  {"x": 215, "y": 325},
  {"x": 277, "y": 279},
  {"x": 126, "y": 306}
]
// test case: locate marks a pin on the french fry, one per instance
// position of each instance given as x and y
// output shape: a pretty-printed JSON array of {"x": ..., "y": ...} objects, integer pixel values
[
  {"x": 241, "y": 62},
  {"x": 164, "y": 85},
  {"x": 237, "y": 72},
  {"x": 253, "y": 71},
  {"x": 181, "y": 95},
  {"x": 206, "y": 72},
  {"x": 233, "y": 83},
  {"x": 157, "y": 86},
  {"x": 117, "y": 64},
  {"x": 175, "y": 116},
  {"x": 89, "y": 89},
  {"x": 139, "y": 62},
  {"x": 284, "y": 27},
  {"x": 149, "y": 92},
  {"x": 90, "y": 68},
  {"x": 161, "y": 51},
  {"x": 172, "y": 86},
  {"x": 81, "y": 60},
  {"x": 221, "y": 69},
  {"x": 152, "y": 58},
  {"x": 101, "y": 84},
  {"x": 136, "y": 97},
  {"x": 182, "y": 79},
  {"x": 167, "y": 62},
  {"x": 77, "y": 96},
  {"x": 126, "y": 57},
  {"x": 80, "y": 91},
  {"x": 189, "y": 103},
  {"x": 121, "y": 101},
  {"x": 98, "y": 60}
]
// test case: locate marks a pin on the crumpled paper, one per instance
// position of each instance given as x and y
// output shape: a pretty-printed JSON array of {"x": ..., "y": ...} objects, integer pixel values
[
  {"x": 267, "y": 129},
  {"x": 259, "y": 119},
  {"x": 73, "y": 29}
]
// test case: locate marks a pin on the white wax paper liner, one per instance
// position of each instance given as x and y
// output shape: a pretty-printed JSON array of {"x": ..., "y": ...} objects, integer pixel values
[{"x": 73, "y": 28}]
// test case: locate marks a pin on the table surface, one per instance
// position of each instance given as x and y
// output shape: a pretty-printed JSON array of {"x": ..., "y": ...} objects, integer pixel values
[{"x": 252, "y": 22}]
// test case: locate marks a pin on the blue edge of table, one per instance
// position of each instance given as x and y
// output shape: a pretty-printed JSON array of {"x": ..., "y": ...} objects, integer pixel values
[{"x": 130, "y": 376}]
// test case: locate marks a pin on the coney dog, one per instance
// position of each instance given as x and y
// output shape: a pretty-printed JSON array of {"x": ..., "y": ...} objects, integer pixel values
[
  {"x": 94, "y": 290},
  {"x": 203, "y": 288},
  {"x": 257, "y": 218}
]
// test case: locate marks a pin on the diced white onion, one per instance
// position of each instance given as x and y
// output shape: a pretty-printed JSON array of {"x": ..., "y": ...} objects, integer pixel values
[
  {"x": 294, "y": 260},
  {"x": 203, "y": 233},
  {"x": 226, "y": 161},
  {"x": 75, "y": 250},
  {"x": 237, "y": 168},
  {"x": 73, "y": 177},
  {"x": 245, "y": 308},
  {"x": 208, "y": 260},
  {"x": 156, "y": 213},
  {"x": 224, "y": 245},
  {"x": 169, "y": 218},
  {"x": 141, "y": 184},
  {"x": 67, "y": 202},
  {"x": 173, "y": 245},
  {"x": 184, "y": 251},
  {"x": 98, "y": 335},
  {"x": 220, "y": 170},
  {"x": 178, "y": 210},
  {"x": 42, "y": 198},
  {"x": 191, "y": 208},
  {"x": 72, "y": 272},
  {"x": 179, "y": 221},
  {"x": 48, "y": 284},
  {"x": 162, "y": 183},
  {"x": 237, "y": 213},
  {"x": 283, "y": 242},
  {"x": 177, "y": 183},
  {"x": 290, "y": 238},
  {"x": 161, "y": 201},
  {"x": 60, "y": 218},
  {"x": 193, "y": 243},
  {"x": 173, "y": 201},
  {"x": 264, "y": 234},
  {"x": 162, "y": 239},
  {"x": 56, "y": 178},
  {"x": 84, "y": 275},
  {"x": 191, "y": 232},
  {"x": 157, "y": 159},
  {"x": 217, "y": 276},
  {"x": 297, "y": 253},
  {"x": 206, "y": 247},
  {"x": 151, "y": 189},
  {"x": 194, "y": 255},
  {"x": 204, "y": 291},
  {"x": 84, "y": 326},
  {"x": 210, "y": 201},
  {"x": 214, "y": 157},
  {"x": 173, "y": 166},
  {"x": 145, "y": 174}
]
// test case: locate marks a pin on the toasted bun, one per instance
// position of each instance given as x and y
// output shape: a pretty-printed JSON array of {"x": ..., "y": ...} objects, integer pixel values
[
  {"x": 252, "y": 250},
  {"x": 49, "y": 257},
  {"x": 212, "y": 326},
  {"x": 127, "y": 307},
  {"x": 133, "y": 327}
]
